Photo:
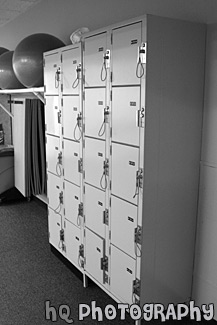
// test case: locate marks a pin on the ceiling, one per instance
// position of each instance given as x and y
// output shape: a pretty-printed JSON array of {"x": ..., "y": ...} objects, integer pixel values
[
  {"x": 10, "y": 9},
  {"x": 204, "y": 11}
]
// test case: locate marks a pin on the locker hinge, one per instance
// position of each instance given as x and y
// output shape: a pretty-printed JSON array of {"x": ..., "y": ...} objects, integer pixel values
[
  {"x": 44, "y": 101},
  {"x": 63, "y": 134},
  {"x": 83, "y": 143},
  {"x": 61, "y": 58},
  {"x": 136, "y": 288},
  {"x": 111, "y": 95},
  {"x": 64, "y": 212},
  {"x": 80, "y": 165},
  {"x": 105, "y": 278},
  {"x": 64, "y": 223},
  {"x": 111, "y": 38},
  {"x": 111, "y": 75},
  {"x": 45, "y": 88},
  {"x": 83, "y": 96},
  {"x": 104, "y": 263},
  {"x": 61, "y": 87},
  {"x": 45, "y": 139},
  {"x": 138, "y": 235},
  {"x": 59, "y": 117},
  {"x": 62, "y": 102},
  {"x": 106, "y": 217},
  {"x": 111, "y": 137},
  {"x": 63, "y": 184},
  {"x": 45, "y": 127}
]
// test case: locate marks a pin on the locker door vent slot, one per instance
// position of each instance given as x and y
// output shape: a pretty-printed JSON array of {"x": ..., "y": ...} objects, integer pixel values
[{"x": 106, "y": 217}]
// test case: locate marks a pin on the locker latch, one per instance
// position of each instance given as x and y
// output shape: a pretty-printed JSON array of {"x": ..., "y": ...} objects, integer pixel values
[
  {"x": 81, "y": 209},
  {"x": 138, "y": 235},
  {"x": 78, "y": 76},
  {"x": 104, "y": 263},
  {"x": 60, "y": 158},
  {"x": 106, "y": 65},
  {"x": 141, "y": 118},
  {"x": 105, "y": 174},
  {"x": 105, "y": 278},
  {"x": 79, "y": 126},
  {"x": 59, "y": 117},
  {"x": 80, "y": 165},
  {"x": 57, "y": 77},
  {"x": 139, "y": 181},
  {"x": 62, "y": 234},
  {"x": 105, "y": 120},
  {"x": 61, "y": 197},
  {"x": 142, "y": 51},
  {"x": 106, "y": 217},
  {"x": 136, "y": 287},
  {"x": 81, "y": 250}
]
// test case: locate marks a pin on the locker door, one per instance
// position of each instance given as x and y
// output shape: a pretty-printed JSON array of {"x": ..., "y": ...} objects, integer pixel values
[
  {"x": 52, "y": 153},
  {"x": 70, "y": 60},
  {"x": 72, "y": 242},
  {"x": 51, "y": 73},
  {"x": 94, "y": 247},
  {"x": 125, "y": 107},
  {"x": 94, "y": 112},
  {"x": 126, "y": 41},
  {"x": 123, "y": 224},
  {"x": 52, "y": 115},
  {"x": 70, "y": 113},
  {"x": 124, "y": 169},
  {"x": 94, "y": 209},
  {"x": 71, "y": 156},
  {"x": 122, "y": 275},
  {"x": 54, "y": 189},
  {"x": 72, "y": 201},
  {"x": 94, "y": 160},
  {"x": 54, "y": 227},
  {"x": 95, "y": 47}
]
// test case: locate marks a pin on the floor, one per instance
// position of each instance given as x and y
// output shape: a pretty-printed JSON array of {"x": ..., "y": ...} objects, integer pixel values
[{"x": 34, "y": 282}]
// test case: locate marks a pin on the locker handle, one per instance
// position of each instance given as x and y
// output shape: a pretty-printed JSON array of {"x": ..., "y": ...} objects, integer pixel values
[
  {"x": 78, "y": 76},
  {"x": 105, "y": 120},
  {"x": 105, "y": 65},
  {"x": 57, "y": 78},
  {"x": 79, "y": 126}
]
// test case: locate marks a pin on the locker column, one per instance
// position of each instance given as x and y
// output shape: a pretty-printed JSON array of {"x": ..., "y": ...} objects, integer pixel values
[
  {"x": 127, "y": 94},
  {"x": 96, "y": 156},
  {"x": 72, "y": 153},
  {"x": 52, "y": 80}
]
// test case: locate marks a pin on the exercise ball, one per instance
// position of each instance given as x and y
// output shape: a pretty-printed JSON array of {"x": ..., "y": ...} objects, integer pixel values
[
  {"x": 28, "y": 58},
  {"x": 8, "y": 80}
]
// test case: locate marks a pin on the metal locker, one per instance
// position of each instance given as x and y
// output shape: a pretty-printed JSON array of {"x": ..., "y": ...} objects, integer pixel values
[
  {"x": 71, "y": 65},
  {"x": 72, "y": 203},
  {"x": 123, "y": 225},
  {"x": 94, "y": 112},
  {"x": 95, "y": 48},
  {"x": 72, "y": 242},
  {"x": 95, "y": 212},
  {"x": 122, "y": 275},
  {"x": 94, "y": 163},
  {"x": 125, "y": 115},
  {"x": 53, "y": 155},
  {"x": 126, "y": 41},
  {"x": 71, "y": 158},
  {"x": 54, "y": 227},
  {"x": 52, "y": 73},
  {"x": 94, "y": 252},
  {"x": 125, "y": 161},
  {"x": 71, "y": 111},
  {"x": 55, "y": 193},
  {"x": 53, "y": 116}
]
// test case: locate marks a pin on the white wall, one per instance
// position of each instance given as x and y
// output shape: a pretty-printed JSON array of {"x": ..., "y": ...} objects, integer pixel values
[{"x": 205, "y": 271}]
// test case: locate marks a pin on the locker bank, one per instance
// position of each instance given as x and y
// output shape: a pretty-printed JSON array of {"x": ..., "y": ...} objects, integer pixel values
[{"x": 114, "y": 153}]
